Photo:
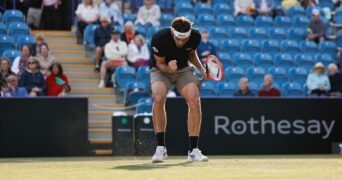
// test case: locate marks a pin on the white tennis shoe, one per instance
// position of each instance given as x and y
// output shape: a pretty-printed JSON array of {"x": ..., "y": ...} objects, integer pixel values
[
  {"x": 196, "y": 156},
  {"x": 159, "y": 155}
]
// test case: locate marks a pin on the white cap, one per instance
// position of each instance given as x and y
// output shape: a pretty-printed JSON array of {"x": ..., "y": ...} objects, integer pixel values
[
  {"x": 315, "y": 12},
  {"x": 319, "y": 65}
]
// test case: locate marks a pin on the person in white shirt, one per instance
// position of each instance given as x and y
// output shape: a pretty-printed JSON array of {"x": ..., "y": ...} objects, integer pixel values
[
  {"x": 87, "y": 12},
  {"x": 244, "y": 7},
  {"x": 19, "y": 64},
  {"x": 115, "y": 52},
  {"x": 138, "y": 54},
  {"x": 148, "y": 14},
  {"x": 109, "y": 9},
  {"x": 51, "y": 17}
]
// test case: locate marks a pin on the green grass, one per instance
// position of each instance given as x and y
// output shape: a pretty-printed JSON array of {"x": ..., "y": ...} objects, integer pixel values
[{"x": 218, "y": 167}]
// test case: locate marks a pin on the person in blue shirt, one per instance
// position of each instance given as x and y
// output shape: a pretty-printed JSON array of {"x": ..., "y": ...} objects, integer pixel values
[
  {"x": 109, "y": 9},
  {"x": 318, "y": 82},
  {"x": 32, "y": 79},
  {"x": 205, "y": 48},
  {"x": 12, "y": 88}
]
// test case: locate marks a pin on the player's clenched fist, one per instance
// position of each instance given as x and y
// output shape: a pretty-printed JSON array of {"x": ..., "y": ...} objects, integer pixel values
[{"x": 173, "y": 65}]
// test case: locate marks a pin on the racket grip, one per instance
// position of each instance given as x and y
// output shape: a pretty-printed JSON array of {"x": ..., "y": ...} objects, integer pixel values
[{"x": 207, "y": 69}]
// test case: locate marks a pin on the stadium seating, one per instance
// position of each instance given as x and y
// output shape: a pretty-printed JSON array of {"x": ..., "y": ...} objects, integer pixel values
[
  {"x": 297, "y": 34},
  {"x": 339, "y": 39},
  {"x": 134, "y": 91},
  {"x": 144, "y": 105},
  {"x": 89, "y": 36},
  {"x": 284, "y": 60},
  {"x": 123, "y": 75},
  {"x": 25, "y": 40},
  {"x": 183, "y": 7},
  {"x": 328, "y": 48},
  {"x": 233, "y": 74},
  {"x": 225, "y": 59},
  {"x": 279, "y": 74},
  {"x": 292, "y": 89},
  {"x": 238, "y": 32},
  {"x": 151, "y": 31},
  {"x": 282, "y": 21},
  {"x": 277, "y": 33},
  {"x": 301, "y": 22},
  {"x": 257, "y": 33},
  {"x": 256, "y": 74},
  {"x": 222, "y": 8},
  {"x": 250, "y": 46},
  {"x": 327, "y": 4},
  {"x": 326, "y": 59},
  {"x": 244, "y": 60},
  {"x": 264, "y": 60},
  {"x": 206, "y": 20},
  {"x": 129, "y": 17},
  {"x": 203, "y": 8},
  {"x": 264, "y": 21},
  {"x": 10, "y": 16},
  {"x": 298, "y": 74},
  {"x": 244, "y": 21},
  {"x": 190, "y": 16},
  {"x": 6, "y": 43},
  {"x": 166, "y": 19},
  {"x": 290, "y": 46},
  {"x": 218, "y": 32},
  {"x": 270, "y": 46},
  {"x": 308, "y": 47},
  {"x": 226, "y": 89},
  {"x": 225, "y": 20},
  {"x": 143, "y": 75},
  {"x": 230, "y": 45},
  {"x": 305, "y": 61},
  {"x": 3, "y": 29},
  {"x": 296, "y": 11},
  {"x": 141, "y": 30},
  {"x": 253, "y": 87},
  {"x": 11, "y": 54},
  {"x": 208, "y": 89},
  {"x": 16, "y": 29}
]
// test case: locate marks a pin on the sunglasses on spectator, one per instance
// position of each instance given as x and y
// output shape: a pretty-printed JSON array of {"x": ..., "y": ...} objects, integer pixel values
[
  {"x": 11, "y": 81},
  {"x": 31, "y": 62}
]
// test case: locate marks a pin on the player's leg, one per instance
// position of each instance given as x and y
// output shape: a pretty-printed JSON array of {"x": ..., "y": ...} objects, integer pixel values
[
  {"x": 98, "y": 54},
  {"x": 103, "y": 72}
]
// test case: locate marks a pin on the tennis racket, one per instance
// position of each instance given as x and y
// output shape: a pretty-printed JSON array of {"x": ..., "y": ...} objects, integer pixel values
[{"x": 214, "y": 68}]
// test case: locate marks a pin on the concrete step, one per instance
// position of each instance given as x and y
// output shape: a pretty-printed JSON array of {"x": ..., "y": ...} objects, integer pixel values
[
  {"x": 68, "y": 51},
  {"x": 100, "y": 130},
  {"x": 86, "y": 66},
  {"x": 104, "y": 136},
  {"x": 58, "y": 56},
  {"x": 85, "y": 85},
  {"x": 100, "y": 124},
  {"x": 83, "y": 75},
  {"x": 101, "y": 141},
  {"x": 92, "y": 90},
  {"x": 66, "y": 47},
  {"x": 104, "y": 152},
  {"x": 79, "y": 69},
  {"x": 48, "y": 33},
  {"x": 108, "y": 101}
]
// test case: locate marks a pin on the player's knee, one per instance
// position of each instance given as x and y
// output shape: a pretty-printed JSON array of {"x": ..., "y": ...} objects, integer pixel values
[
  {"x": 159, "y": 99},
  {"x": 193, "y": 102}
]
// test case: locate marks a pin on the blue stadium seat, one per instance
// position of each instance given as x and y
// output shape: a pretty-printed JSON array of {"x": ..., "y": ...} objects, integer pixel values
[
  {"x": 244, "y": 21},
  {"x": 253, "y": 87},
  {"x": 279, "y": 74},
  {"x": 225, "y": 59},
  {"x": 175, "y": 2},
  {"x": 238, "y": 32},
  {"x": 166, "y": 19},
  {"x": 183, "y": 7},
  {"x": 290, "y": 46},
  {"x": 143, "y": 75},
  {"x": 337, "y": 22},
  {"x": 222, "y": 8},
  {"x": 3, "y": 29},
  {"x": 256, "y": 74},
  {"x": 296, "y": 11},
  {"x": 10, "y": 16},
  {"x": 206, "y": 20},
  {"x": 203, "y": 8},
  {"x": 326, "y": 59},
  {"x": 327, "y": 4},
  {"x": 220, "y": 2},
  {"x": 271, "y": 46},
  {"x": 283, "y": 21},
  {"x": 164, "y": 4},
  {"x": 305, "y": 61},
  {"x": 89, "y": 36},
  {"x": 292, "y": 89},
  {"x": 123, "y": 75},
  {"x": 218, "y": 32},
  {"x": 16, "y": 29},
  {"x": 277, "y": 33},
  {"x": 129, "y": 17},
  {"x": 144, "y": 105},
  {"x": 250, "y": 46},
  {"x": 118, "y": 27},
  {"x": 328, "y": 48},
  {"x": 257, "y": 33},
  {"x": 298, "y": 74},
  {"x": 216, "y": 43},
  {"x": 297, "y": 34},
  {"x": 141, "y": 30},
  {"x": 226, "y": 89},
  {"x": 284, "y": 60},
  {"x": 6, "y": 43},
  {"x": 151, "y": 31},
  {"x": 339, "y": 39},
  {"x": 134, "y": 91},
  {"x": 225, "y": 20},
  {"x": 308, "y": 47},
  {"x": 190, "y": 16},
  {"x": 208, "y": 89},
  {"x": 233, "y": 74},
  {"x": 263, "y": 60},
  {"x": 25, "y": 40},
  {"x": 11, "y": 54},
  {"x": 230, "y": 45},
  {"x": 264, "y": 21},
  {"x": 243, "y": 60},
  {"x": 301, "y": 22}
]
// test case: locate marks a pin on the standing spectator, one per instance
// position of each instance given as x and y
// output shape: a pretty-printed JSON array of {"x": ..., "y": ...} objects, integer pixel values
[
  {"x": 32, "y": 79},
  {"x": 101, "y": 38},
  {"x": 129, "y": 32},
  {"x": 264, "y": 7},
  {"x": 244, "y": 7},
  {"x": 243, "y": 90},
  {"x": 20, "y": 63},
  {"x": 51, "y": 14},
  {"x": 335, "y": 80},
  {"x": 5, "y": 71},
  {"x": 138, "y": 54},
  {"x": 148, "y": 14},
  {"x": 57, "y": 82},
  {"x": 35, "y": 49},
  {"x": 87, "y": 12},
  {"x": 34, "y": 13},
  {"x": 115, "y": 52},
  {"x": 45, "y": 60},
  {"x": 317, "y": 28},
  {"x": 13, "y": 89},
  {"x": 109, "y": 9},
  {"x": 318, "y": 82},
  {"x": 268, "y": 89},
  {"x": 205, "y": 48}
]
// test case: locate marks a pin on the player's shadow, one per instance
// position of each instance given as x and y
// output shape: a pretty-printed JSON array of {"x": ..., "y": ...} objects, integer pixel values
[{"x": 148, "y": 166}]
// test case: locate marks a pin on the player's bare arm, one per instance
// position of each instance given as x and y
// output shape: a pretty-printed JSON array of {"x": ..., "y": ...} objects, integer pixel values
[
  {"x": 163, "y": 66},
  {"x": 193, "y": 57}
]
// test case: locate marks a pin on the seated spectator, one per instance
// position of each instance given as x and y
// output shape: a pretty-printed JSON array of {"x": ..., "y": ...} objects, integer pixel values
[
  {"x": 20, "y": 63},
  {"x": 129, "y": 32},
  {"x": 45, "y": 60},
  {"x": 57, "y": 82},
  {"x": 109, "y": 9},
  {"x": 244, "y": 7},
  {"x": 264, "y": 7},
  {"x": 243, "y": 88},
  {"x": 289, "y": 3},
  {"x": 307, "y": 3},
  {"x": 318, "y": 82},
  {"x": 5, "y": 71},
  {"x": 317, "y": 28},
  {"x": 268, "y": 89},
  {"x": 35, "y": 49},
  {"x": 115, "y": 52},
  {"x": 101, "y": 38},
  {"x": 148, "y": 14},
  {"x": 335, "y": 79},
  {"x": 87, "y": 12},
  {"x": 32, "y": 79},
  {"x": 138, "y": 54},
  {"x": 13, "y": 90},
  {"x": 205, "y": 48},
  {"x": 34, "y": 13}
]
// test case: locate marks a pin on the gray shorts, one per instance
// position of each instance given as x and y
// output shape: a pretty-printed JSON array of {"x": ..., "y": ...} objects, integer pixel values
[
  {"x": 180, "y": 78},
  {"x": 33, "y": 16}
]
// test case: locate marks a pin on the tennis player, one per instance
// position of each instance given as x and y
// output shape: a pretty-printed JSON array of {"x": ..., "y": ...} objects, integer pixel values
[{"x": 172, "y": 49}]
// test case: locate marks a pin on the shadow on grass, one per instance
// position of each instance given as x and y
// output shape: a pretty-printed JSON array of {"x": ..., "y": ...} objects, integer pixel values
[{"x": 148, "y": 166}]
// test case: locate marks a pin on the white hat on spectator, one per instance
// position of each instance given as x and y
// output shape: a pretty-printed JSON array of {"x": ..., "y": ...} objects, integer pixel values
[
  {"x": 318, "y": 65},
  {"x": 315, "y": 12}
]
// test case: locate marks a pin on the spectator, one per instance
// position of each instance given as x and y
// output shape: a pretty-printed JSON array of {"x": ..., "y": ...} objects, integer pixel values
[
  {"x": 316, "y": 28},
  {"x": 5, "y": 71},
  {"x": 307, "y": 3},
  {"x": 87, "y": 12},
  {"x": 34, "y": 13},
  {"x": 268, "y": 89},
  {"x": 317, "y": 82},
  {"x": 57, "y": 83},
  {"x": 20, "y": 63},
  {"x": 13, "y": 89},
  {"x": 129, "y": 32},
  {"x": 243, "y": 89},
  {"x": 205, "y": 48},
  {"x": 244, "y": 7},
  {"x": 335, "y": 80},
  {"x": 51, "y": 14},
  {"x": 45, "y": 60},
  {"x": 148, "y": 14},
  {"x": 264, "y": 7},
  {"x": 115, "y": 52},
  {"x": 101, "y": 38},
  {"x": 109, "y": 9},
  {"x": 35, "y": 49},
  {"x": 289, "y": 3},
  {"x": 32, "y": 79},
  {"x": 138, "y": 52}
]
